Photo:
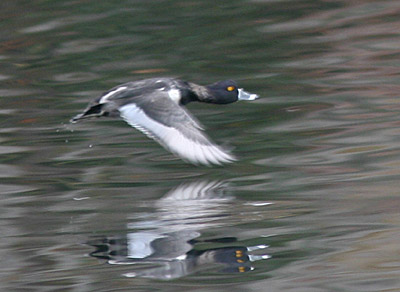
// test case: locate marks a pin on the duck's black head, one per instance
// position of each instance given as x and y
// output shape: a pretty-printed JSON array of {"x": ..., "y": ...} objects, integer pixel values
[{"x": 227, "y": 91}]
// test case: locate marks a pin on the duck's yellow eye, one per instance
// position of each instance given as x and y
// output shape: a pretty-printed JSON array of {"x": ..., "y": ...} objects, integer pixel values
[{"x": 230, "y": 88}]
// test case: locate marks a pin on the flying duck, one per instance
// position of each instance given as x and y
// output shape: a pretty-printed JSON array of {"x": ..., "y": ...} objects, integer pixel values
[{"x": 156, "y": 108}]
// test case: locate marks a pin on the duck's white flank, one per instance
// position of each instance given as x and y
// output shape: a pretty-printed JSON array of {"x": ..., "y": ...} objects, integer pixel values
[
  {"x": 105, "y": 98},
  {"x": 173, "y": 139},
  {"x": 175, "y": 95}
]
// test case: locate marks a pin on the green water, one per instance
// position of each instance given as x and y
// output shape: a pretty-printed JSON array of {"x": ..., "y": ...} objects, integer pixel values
[{"x": 311, "y": 205}]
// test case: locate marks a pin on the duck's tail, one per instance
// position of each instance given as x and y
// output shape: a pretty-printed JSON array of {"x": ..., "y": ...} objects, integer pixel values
[{"x": 94, "y": 111}]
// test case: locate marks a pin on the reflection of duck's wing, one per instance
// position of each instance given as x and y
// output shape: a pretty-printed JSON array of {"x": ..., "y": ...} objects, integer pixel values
[
  {"x": 199, "y": 190},
  {"x": 195, "y": 205},
  {"x": 163, "y": 120}
]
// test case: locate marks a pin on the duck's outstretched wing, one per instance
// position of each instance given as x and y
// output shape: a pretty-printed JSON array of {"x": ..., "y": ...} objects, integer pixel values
[{"x": 163, "y": 120}]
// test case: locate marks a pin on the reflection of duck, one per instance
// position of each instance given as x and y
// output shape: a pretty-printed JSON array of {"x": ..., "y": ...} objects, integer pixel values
[
  {"x": 154, "y": 106},
  {"x": 170, "y": 242},
  {"x": 117, "y": 250}
]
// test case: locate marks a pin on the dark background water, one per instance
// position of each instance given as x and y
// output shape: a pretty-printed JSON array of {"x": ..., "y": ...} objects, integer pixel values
[{"x": 312, "y": 204}]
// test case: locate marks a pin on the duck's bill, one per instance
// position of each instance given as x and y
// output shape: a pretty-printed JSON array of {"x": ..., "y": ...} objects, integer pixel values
[{"x": 243, "y": 95}]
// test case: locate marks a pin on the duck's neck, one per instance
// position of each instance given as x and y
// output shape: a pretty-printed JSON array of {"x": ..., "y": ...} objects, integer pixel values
[{"x": 196, "y": 93}]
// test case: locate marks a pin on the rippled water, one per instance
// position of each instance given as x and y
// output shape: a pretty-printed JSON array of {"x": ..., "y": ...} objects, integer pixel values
[{"x": 313, "y": 203}]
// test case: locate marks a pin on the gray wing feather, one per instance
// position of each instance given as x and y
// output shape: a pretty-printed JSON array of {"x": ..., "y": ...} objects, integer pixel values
[{"x": 172, "y": 126}]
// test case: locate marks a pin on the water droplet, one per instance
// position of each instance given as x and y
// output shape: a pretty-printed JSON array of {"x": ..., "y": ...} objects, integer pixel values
[{"x": 80, "y": 199}]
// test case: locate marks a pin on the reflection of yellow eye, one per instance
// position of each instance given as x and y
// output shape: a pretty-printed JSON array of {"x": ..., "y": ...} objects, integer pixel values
[{"x": 230, "y": 88}]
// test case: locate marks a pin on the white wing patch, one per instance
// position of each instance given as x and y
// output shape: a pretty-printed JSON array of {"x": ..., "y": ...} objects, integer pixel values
[
  {"x": 105, "y": 98},
  {"x": 173, "y": 139}
]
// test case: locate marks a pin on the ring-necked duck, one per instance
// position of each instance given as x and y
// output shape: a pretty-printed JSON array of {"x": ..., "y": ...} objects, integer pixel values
[{"x": 155, "y": 107}]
